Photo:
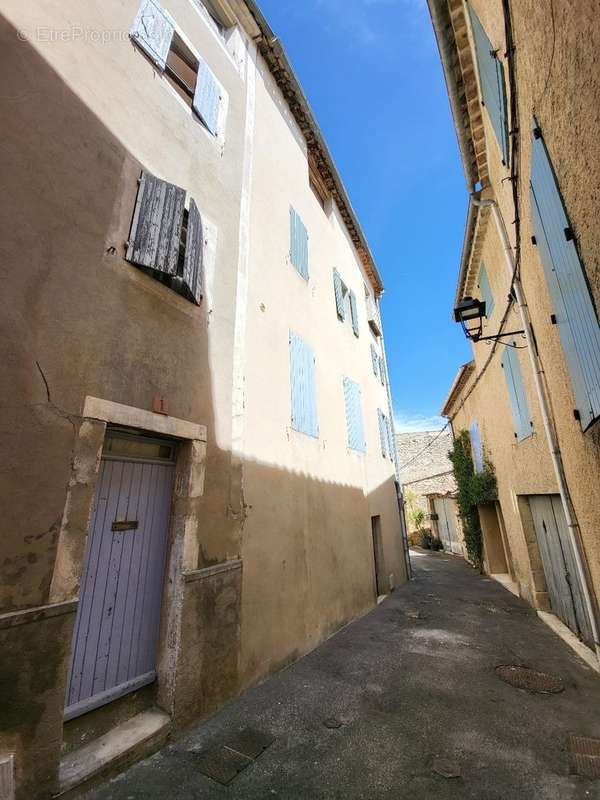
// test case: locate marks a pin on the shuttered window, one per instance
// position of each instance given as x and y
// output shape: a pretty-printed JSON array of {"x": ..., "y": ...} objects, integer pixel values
[
  {"x": 354, "y": 420},
  {"x": 154, "y": 32},
  {"x": 516, "y": 393},
  {"x": 573, "y": 307},
  {"x": 381, "y": 371},
  {"x": 165, "y": 240},
  {"x": 391, "y": 440},
  {"x": 383, "y": 432},
  {"x": 476, "y": 447},
  {"x": 491, "y": 79},
  {"x": 375, "y": 360},
  {"x": 298, "y": 244},
  {"x": 353, "y": 312},
  {"x": 303, "y": 387},
  {"x": 485, "y": 291},
  {"x": 339, "y": 291}
]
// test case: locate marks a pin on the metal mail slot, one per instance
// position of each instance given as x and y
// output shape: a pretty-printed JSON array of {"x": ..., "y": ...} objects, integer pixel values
[{"x": 124, "y": 525}]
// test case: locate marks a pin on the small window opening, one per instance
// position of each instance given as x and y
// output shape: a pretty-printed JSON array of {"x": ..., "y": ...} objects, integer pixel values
[
  {"x": 316, "y": 183},
  {"x": 181, "y": 69}
]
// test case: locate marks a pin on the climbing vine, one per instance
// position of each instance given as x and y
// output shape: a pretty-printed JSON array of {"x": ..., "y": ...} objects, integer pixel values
[{"x": 474, "y": 488}]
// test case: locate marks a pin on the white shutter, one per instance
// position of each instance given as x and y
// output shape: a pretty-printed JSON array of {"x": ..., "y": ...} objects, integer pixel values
[
  {"x": 207, "y": 97},
  {"x": 153, "y": 30}
]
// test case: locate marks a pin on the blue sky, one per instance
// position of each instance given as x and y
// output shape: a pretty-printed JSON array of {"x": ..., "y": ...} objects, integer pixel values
[{"x": 371, "y": 72}]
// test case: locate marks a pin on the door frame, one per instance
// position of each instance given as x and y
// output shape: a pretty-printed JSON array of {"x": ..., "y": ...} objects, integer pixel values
[{"x": 182, "y": 544}]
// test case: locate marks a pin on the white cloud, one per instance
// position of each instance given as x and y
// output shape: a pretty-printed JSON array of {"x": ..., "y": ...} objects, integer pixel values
[{"x": 405, "y": 422}]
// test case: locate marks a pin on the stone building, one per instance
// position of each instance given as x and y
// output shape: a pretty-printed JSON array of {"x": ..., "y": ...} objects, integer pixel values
[
  {"x": 199, "y": 481},
  {"x": 524, "y": 92}
]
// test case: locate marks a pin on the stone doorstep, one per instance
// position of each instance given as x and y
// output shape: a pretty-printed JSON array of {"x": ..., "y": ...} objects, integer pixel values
[{"x": 124, "y": 743}]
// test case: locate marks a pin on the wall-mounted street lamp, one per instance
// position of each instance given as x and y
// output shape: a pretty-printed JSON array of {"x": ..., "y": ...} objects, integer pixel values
[{"x": 470, "y": 313}]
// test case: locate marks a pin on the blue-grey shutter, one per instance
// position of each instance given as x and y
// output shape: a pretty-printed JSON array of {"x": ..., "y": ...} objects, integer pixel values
[
  {"x": 152, "y": 30},
  {"x": 375, "y": 360},
  {"x": 573, "y": 307},
  {"x": 353, "y": 312},
  {"x": 303, "y": 387},
  {"x": 383, "y": 435},
  {"x": 194, "y": 250},
  {"x": 339, "y": 295},
  {"x": 516, "y": 393},
  {"x": 476, "y": 447},
  {"x": 485, "y": 290},
  {"x": 156, "y": 226},
  {"x": 381, "y": 371},
  {"x": 491, "y": 78},
  {"x": 207, "y": 97},
  {"x": 298, "y": 244},
  {"x": 354, "y": 421},
  {"x": 391, "y": 440}
]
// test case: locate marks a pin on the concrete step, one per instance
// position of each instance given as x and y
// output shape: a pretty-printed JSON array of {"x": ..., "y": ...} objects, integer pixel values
[{"x": 113, "y": 751}]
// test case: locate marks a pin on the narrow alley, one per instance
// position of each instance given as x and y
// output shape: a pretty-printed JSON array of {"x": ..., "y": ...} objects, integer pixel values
[{"x": 405, "y": 702}]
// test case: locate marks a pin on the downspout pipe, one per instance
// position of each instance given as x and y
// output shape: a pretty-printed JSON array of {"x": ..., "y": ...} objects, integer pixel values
[{"x": 553, "y": 445}]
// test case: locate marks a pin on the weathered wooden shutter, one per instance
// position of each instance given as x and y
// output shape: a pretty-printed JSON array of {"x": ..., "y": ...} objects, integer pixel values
[
  {"x": 194, "y": 251},
  {"x": 156, "y": 226},
  {"x": 516, "y": 393},
  {"x": 353, "y": 312},
  {"x": 152, "y": 30},
  {"x": 383, "y": 435},
  {"x": 339, "y": 295},
  {"x": 354, "y": 420},
  {"x": 485, "y": 291},
  {"x": 375, "y": 360},
  {"x": 207, "y": 97},
  {"x": 303, "y": 387},
  {"x": 476, "y": 447},
  {"x": 573, "y": 307},
  {"x": 298, "y": 244},
  {"x": 381, "y": 371},
  {"x": 491, "y": 78}
]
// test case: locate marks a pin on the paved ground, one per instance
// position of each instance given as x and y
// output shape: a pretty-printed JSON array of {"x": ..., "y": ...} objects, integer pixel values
[{"x": 411, "y": 682}]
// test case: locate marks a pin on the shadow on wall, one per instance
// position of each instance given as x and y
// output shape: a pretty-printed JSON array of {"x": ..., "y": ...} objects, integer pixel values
[{"x": 81, "y": 321}]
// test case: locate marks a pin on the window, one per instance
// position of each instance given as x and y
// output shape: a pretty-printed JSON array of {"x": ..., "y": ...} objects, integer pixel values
[
  {"x": 516, "y": 393},
  {"x": 354, "y": 421},
  {"x": 476, "y": 447},
  {"x": 381, "y": 370},
  {"x": 303, "y": 387},
  {"x": 373, "y": 317},
  {"x": 154, "y": 32},
  {"x": 316, "y": 183},
  {"x": 574, "y": 311},
  {"x": 491, "y": 80},
  {"x": 298, "y": 244},
  {"x": 345, "y": 302},
  {"x": 485, "y": 291},
  {"x": 166, "y": 239},
  {"x": 375, "y": 360},
  {"x": 386, "y": 436}
]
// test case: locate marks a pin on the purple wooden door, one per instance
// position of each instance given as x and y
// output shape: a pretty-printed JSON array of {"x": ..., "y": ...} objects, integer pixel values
[{"x": 116, "y": 631}]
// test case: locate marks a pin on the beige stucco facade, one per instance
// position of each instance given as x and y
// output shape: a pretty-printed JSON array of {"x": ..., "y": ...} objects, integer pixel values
[
  {"x": 556, "y": 83},
  {"x": 270, "y": 544}
]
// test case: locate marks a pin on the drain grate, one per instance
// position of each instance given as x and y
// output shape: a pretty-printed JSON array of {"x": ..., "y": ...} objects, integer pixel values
[
  {"x": 222, "y": 764},
  {"x": 249, "y": 742},
  {"x": 584, "y": 755},
  {"x": 529, "y": 679}
]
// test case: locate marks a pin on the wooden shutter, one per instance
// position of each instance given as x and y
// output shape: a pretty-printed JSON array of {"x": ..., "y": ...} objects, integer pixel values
[
  {"x": 375, "y": 360},
  {"x": 485, "y": 291},
  {"x": 381, "y": 371},
  {"x": 156, "y": 226},
  {"x": 573, "y": 307},
  {"x": 391, "y": 440},
  {"x": 516, "y": 393},
  {"x": 194, "y": 251},
  {"x": 353, "y": 312},
  {"x": 476, "y": 447},
  {"x": 339, "y": 295},
  {"x": 383, "y": 435},
  {"x": 153, "y": 30},
  {"x": 207, "y": 97},
  {"x": 491, "y": 79},
  {"x": 303, "y": 387},
  {"x": 298, "y": 244},
  {"x": 354, "y": 421}
]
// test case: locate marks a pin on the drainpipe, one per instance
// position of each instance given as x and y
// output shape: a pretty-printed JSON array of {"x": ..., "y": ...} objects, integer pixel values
[{"x": 553, "y": 445}]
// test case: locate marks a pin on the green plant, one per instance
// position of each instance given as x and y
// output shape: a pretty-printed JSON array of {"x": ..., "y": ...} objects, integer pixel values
[{"x": 474, "y": 488}]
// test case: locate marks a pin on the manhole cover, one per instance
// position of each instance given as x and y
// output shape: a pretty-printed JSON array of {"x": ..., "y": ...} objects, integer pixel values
[
  {"x": 250, "y": 742},
  {"x": 222, "y": 764},
  {"x": 584, "y": 755},
  {"x": 529, "y": 679}
]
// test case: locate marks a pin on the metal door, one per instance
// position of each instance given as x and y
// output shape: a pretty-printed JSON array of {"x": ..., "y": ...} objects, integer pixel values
[
  {"x": 562, "y": 580},
  {"x": 444, "y": 508},
  {"x": 440, "y": 510},
  {"x": 116, "y": 630},
  {"x": 451, "y": 521}
]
